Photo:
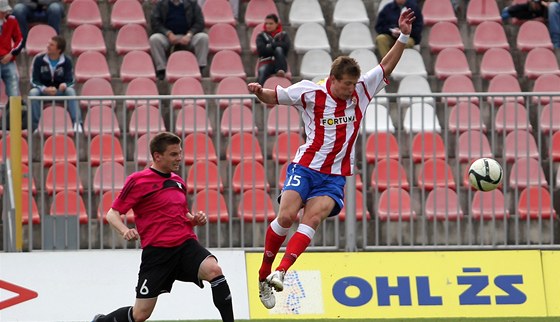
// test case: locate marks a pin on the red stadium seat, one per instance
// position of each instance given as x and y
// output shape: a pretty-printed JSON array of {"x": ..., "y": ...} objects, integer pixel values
[
  {"x": 105, "y": 204},
  {"x": 533, "y": 34},
  {"x": 282, "y": 175},
  {"x": 127, "y": 12},
  {"x": 479, "y": 11},
  {"x": 204, "y": 175},
  {"x": 546, "y": 83},
  {"x": 540, "y": 61},
  {"x": 142, "y": 154},
  {"x": 55, "y": 119},
  {"x": 489, "y": 34},
  {"x": 286, "y": 146},
  {"x": 555, "y": 147},
  {"x": 217, "y": 12},
  {"x": 97, "y": 87},
  {"x": 59, "y": 148},
  {"x": 187, "y": 86},
  {"x": 518, "y": 144},
  {"x": 282, "y": 118},
  {"x": 223, "y": 37},
  {"x": 526, "y": 172},
  {"x": 473, "y": 145},
  {"x": 101, "y": 120},
  {"x": 388, "y": 173},
  {"x": 235, "y": 86},
  {"x": 464, "y": 117},
  {"x": 427, "y": 145},
  {"x": 458, "y": 84},
  {"x": 105, "y": 148},
  {"x": 360, "y": 210},
  {"x": 443, "y": 35},
  {"x": 395, "y": 205},
  {"x": 435, "y": 11},
  {"x": 180, "y": 64},
  {"x": 242, "y": 146},
  {"x": 141, "y": 87},
  {"x": 63, "y": 176},
  {"x": 237, "y": 118},
  {"x": 109, "y": 176},
  {"x": 137, "y": 64},
  {"x": 91, "y": 64},
  {"x": 256, "y": 205},
  {"x": 435, "y": 173},
  {"x": 81, "y": 12},
  {"x": 69, "y": 203},
  {"x": 226, "y": 63},
  {"x": 24, "y": 147},
  {"x": 145, "y": 119},
  {"x": 489, "y": 205},
  {"x": 512, "y": 116},
  {"x": 25, "y": 181},
  {"x": 192, "y": 119},
  {"x": 550, "y": 118},
  {"x": 249, "y": 174},
  {"x": 38, "y": 38},
  {"x": 535, "y": 203},
  {"x": 380, "y": 146},
  {"x": 443, "y": 204},
  {"x": 213, "y": 204},
  {"x": 274, "y": 81},
  {"x": 199, "y": 146},
  {"x": 451, "y": 61},
  {"x": 504, "y": 83},
  {"x": 257, "y": 10},
  {"x": 25, "y": 211},
  {"x": 87, "y": 38},
  {"x": 131, "y": 37},
  {"x": 496, "y": 61},
  {"x": 253, "y": 41}
]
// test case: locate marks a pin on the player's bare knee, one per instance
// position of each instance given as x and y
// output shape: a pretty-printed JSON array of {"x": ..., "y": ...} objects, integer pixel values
[
  {"x": 140, "y": 316},
  {"x": 286, "y": 218}
]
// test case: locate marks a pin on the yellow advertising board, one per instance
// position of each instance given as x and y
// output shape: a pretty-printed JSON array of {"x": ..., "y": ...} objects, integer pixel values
[
  {"x": 551, "y": 264},
  {"x": 406, "y": 284}
]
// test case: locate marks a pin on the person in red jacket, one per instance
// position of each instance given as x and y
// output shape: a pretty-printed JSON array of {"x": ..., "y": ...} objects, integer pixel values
[{"x": 11, "y": 43}]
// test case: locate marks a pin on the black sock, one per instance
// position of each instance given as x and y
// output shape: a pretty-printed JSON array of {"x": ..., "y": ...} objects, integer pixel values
[
  {"x": 222, "y": 298},
  {"x": 124, "y": 314}
]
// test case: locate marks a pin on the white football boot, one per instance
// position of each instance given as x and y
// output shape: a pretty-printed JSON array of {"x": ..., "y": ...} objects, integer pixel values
[
  {"x": 266, "y": 295},
  {"x": 276, "y": 280}
]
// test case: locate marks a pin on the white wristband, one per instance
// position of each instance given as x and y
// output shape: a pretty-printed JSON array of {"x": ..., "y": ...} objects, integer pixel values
[{"x": 403, "y": 38}]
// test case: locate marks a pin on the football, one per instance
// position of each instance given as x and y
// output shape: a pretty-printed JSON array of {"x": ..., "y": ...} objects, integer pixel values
[{"x": 485, "y": 174}]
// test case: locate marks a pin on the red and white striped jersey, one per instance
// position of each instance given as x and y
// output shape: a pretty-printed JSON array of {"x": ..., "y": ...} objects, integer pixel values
[{"x": 331, "y": 124}]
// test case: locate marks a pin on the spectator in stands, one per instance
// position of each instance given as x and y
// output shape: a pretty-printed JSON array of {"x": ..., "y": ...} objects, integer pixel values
[
  {"x": 165, "y": 226},
  {"x": 315, "y": 178},
  {"x": 11, "y": 43},
  {"x": 537, "y": 9},
  {"x": 45, "y": 11},
  {"x": 387, "y": 25},
  {"x": 273, "y": 45},
  {"x": 52, "y": 75},
  {"x": 178, "y": 24}
]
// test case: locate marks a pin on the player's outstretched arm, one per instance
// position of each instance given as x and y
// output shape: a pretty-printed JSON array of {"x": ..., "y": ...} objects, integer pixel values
[
  {"x": 390, "y": 61},
  {"x": 265, "y": 95},
  {"x": 114, "y": 218}
]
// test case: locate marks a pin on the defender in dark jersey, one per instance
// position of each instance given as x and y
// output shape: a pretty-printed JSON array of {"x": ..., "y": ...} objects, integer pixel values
[{"x": 164, "y": 225}]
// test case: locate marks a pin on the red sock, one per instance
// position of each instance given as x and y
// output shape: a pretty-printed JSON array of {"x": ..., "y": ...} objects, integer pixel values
[
  {"x": 297, "y": 245},
  {"x": 272, "y": 244}
]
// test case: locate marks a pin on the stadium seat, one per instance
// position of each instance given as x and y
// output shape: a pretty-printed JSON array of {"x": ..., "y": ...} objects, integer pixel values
[
  {"x": 311, "y": 36},
  {"x": 7, "y": 139},
  {"x": 256, "y": 205},
  {"x": 87, "y": 38},
  {"x": 533, "y": 34},
  {"x": 365, "y": 58},
  {"x": 555, "y": 147},
  {"x": 504, "y": 83},
  {"x": 489, "y": 205},
  {"x": 540, "y": 61},
  {"x": 63, "y": 176},
  {"x": 421, "y": 117},
  {"x": 546, "y": 83},
  {"x": 520, "y": 143},
  {"x": 496, "y": 61},
  {"x": 489, "y": 34},
  {"x": 253, "y": 41},
  {"x": 360, "y": 210},
  {"x": 355, "y": 35},
  {"x": 105, "y": 204},
  {"x": 282, "y": 118},
  {"x": 137, "y": 64},
  {"x": 444, "y": 34},
  {"x": 257, "y": 10},
  {"x": 217, "y": 12},
  {"x": 234, "y": 86},
  {"x": 479, "y": 11},
  {"x": 69, "y": 203},
  {"x": 223, "y": 37},
  {"x": 464, "y": 117},
  {"x": 187, "y": 86},
  {"x": 435, "y": 173},
  {"x": 25, "y": 181},
  {"x": 303, "y": 11},
  {"x": 109, "y": 176},
  {"x": 395, "y": 205},
  {"x": 144, "y": 119},
  {"x": 412, "y": 90},
  {"x": 512, "y": 116},
  {"x": 101, "y": 120},
  {"x": 131, "y": 37},
  {"x": 236, "y": 119},
  {"x": 388, "y": 173},
  {"x": 411, "y": 63},
  {"x": 126, "y": 12},
  {"x": 535, "y": 203},
  {"x": 473, "y": 145},
  {"x": 59, "y": 148},
  {"x": 442, "y": 204},
  {"x": 550, "y": 118},
  {"x": 204, "y": 175},
  {"x": 226, "y": 63},
  {"x": 141, "y": 87},
  {"x": 192, "y": 119},
  {"x": 182, "y": 63},
  {"x": 377, "y": 119},
  {"x": 242, "y": 146},
  {"x": 38, "y": 38},
  {"x": 199, "y": 146},
  {"x": 349, "y": 11},
  {"x": 96, "y": 87},
  {"x": 381, "y": 145},
  {"x": 91, "y": 64},
  {"x": 427, "y": 145},
  {"x": 105, "y": 148},
  {"x": 451, "y": 61},
  {"x": 213, "y": 204},
  {"x": 82, "y": 12},
  {"x": 55, "y": 119},
  {"x": 286, "y": 146},
  {"x": 25, "y": 211},
  {"x": 274, "y": 81},
  {"x": 249, "y": 174},
  {"x": 142, "y": 155},
  {"x": 526, "y": 172},
  {"x": 315, "y": 63},
  {"x": 435, "y": 11},
  {"x": 457, "y": 84}
]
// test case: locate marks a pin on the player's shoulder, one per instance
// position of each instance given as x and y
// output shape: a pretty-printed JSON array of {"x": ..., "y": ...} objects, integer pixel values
[{"x": 309, "y": 86}]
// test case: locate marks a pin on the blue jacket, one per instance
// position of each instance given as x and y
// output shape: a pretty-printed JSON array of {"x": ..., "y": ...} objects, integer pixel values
[
  {"x": 45, "y": 76},
  {"x": 389, "y": 18}
]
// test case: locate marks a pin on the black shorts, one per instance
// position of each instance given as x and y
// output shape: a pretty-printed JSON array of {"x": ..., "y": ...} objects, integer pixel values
[{"x": 161, "y": 266}]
